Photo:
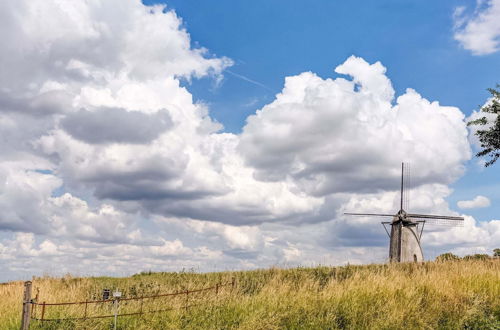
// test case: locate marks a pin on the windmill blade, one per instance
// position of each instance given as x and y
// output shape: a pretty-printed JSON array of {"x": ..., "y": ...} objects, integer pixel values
[
  {"x": 407, "y": 187},
  {"x": 402, "y": 184},
  {"x": 444, "y": 222},
  {"x": 370, "y": 214},
  {"x": 439, "y": 220},
  {"x": 431, "y": 216}
]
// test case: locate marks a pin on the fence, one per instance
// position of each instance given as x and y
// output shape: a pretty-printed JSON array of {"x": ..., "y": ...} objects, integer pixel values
[{"x": 33, "y": 310}]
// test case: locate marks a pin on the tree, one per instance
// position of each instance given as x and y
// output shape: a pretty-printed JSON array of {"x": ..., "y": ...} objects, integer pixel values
[
  {"x": 477, "y": 256},
  {"x": 448, "y": 256},
  {"x": 489, "y": 136},
  {"x": 496, "y": 252}
]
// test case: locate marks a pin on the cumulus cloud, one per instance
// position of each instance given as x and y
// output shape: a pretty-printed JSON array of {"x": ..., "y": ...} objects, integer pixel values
[
  {"x": 477, "y": 202},
  {"x": 110, "y": 137},
  {"x": 45, "y": 103},
  {"x": 24, "y": 196},
  {"x": 473, "y": 237},
  {"x": 112, "y": 125},
  {"x": 92, "y": 41},
  {"x": 339, "y": 135},
  {"x": 108, "y": 166},
  {"x": 479, "y": 31},
  {"x": 24, "y": 254}
]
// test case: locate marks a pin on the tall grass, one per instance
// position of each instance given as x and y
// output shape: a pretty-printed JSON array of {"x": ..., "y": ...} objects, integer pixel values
[{"x": 433, "y": 295}]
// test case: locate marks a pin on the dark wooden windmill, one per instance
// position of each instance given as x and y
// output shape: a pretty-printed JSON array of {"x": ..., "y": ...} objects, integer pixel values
[{"x": 407, "y": 228}]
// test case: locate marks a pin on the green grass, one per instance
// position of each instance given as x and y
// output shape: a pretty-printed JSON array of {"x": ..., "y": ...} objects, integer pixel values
[{"x": 463, "y": 294}]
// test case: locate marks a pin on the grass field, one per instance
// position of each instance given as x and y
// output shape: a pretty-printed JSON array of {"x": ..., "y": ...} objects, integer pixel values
[{"x": 463, "y": 294}]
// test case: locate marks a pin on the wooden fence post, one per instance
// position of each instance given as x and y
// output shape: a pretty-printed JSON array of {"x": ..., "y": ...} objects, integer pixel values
[{"x": 25, "y": 320}]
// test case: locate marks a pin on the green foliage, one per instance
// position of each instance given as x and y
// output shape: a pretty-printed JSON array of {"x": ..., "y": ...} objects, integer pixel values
[
  {"x": 496, "y": 252},
  {"x": 489, "y": 137},
  {"x": 447, "y": 257},
  {"x": 477, "y": 256}
]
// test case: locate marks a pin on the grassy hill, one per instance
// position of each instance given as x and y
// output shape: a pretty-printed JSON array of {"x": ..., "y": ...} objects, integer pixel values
[{"x": 463, "y": 294}]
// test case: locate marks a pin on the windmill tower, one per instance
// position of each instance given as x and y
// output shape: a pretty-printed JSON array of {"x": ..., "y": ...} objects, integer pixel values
[{"x": 407, "y": 228}]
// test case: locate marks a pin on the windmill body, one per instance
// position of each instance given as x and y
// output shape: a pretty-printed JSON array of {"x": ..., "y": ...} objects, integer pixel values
[
  {"x": 404, "y": 243},
  {"x": 406, "y": 230}
]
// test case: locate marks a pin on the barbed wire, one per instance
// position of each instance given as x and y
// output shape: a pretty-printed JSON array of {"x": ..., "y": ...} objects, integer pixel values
[{"x": 186, "y": 306}]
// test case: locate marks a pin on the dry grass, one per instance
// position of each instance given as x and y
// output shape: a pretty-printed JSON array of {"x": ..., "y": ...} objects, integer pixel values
[{"x": 433, "y": 295}]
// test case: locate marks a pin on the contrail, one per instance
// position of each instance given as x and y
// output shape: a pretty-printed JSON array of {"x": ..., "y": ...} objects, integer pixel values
[{"x": 249, "y": 80}]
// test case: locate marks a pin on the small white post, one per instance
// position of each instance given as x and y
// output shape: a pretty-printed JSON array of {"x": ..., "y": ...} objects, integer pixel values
[{"x": 116, "y": 296}]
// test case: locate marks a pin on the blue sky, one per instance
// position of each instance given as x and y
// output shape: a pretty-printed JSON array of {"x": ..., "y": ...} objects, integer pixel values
[
  {"x": 269, "y": 40},
  {"x": 113, "y": 159}
]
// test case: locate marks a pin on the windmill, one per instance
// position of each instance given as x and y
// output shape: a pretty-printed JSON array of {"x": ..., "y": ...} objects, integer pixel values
[{"x": 407, "y": 228}]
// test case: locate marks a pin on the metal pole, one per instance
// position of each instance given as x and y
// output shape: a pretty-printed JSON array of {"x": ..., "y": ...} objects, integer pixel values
[
  {"x": 43, "y": 310},
  {"x": 383, "y": 225},
  {"x": 25, "y": 320},
  {"x": 33, "y": 311},
  {"x": 115, "y": 303},
  {"x": 422, "y": 231}
]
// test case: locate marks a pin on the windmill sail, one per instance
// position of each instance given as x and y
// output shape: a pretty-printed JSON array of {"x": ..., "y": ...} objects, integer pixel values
[
  {"x": 402, "y": 184},
  {"x": 431, "y": 216},
  {"x": 407, "y": 186},
  {"x": 370, "y": 214}
]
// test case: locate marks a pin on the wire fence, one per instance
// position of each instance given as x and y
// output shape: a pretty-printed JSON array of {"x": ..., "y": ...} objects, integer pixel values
[{"x": 117, "y": 306}]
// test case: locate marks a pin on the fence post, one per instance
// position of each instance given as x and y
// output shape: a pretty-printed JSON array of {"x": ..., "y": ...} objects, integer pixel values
[
  {"x": 187, "y": 299},
  {"x": 216, "y": 288},
  {"x": 43, "y": 310},
  {"x": 25, "y": 320},
  {"x": 232, "y": 283}
]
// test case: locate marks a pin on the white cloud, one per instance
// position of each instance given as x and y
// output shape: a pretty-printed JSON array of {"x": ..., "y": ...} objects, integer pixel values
[
  {"x": 24, "y": 195},
  {"x": 473, "y": 237},
  {"x": 125, "y": 130},
  {"x": 94, "y": 41},
  {"x": 23, "y": 254},
  {"x": 479, "y": 32},
  {"x": 110, "y": 137},
  {"x": 477, "y": 202},
  {"x": 237, "y": 237},
  {"x": 339, "y": 135},
  {"x": 116, "y": 170}
]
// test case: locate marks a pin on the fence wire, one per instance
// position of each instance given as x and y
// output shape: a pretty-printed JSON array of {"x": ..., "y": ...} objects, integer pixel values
[{"x": 99, "y": 309}]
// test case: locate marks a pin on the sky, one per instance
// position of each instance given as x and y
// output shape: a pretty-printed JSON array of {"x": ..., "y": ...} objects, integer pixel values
[{"x": 209, "y": 136}]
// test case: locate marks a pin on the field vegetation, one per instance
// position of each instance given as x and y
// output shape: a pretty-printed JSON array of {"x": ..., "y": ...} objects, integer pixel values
[{"x": 451, "y": 294}]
